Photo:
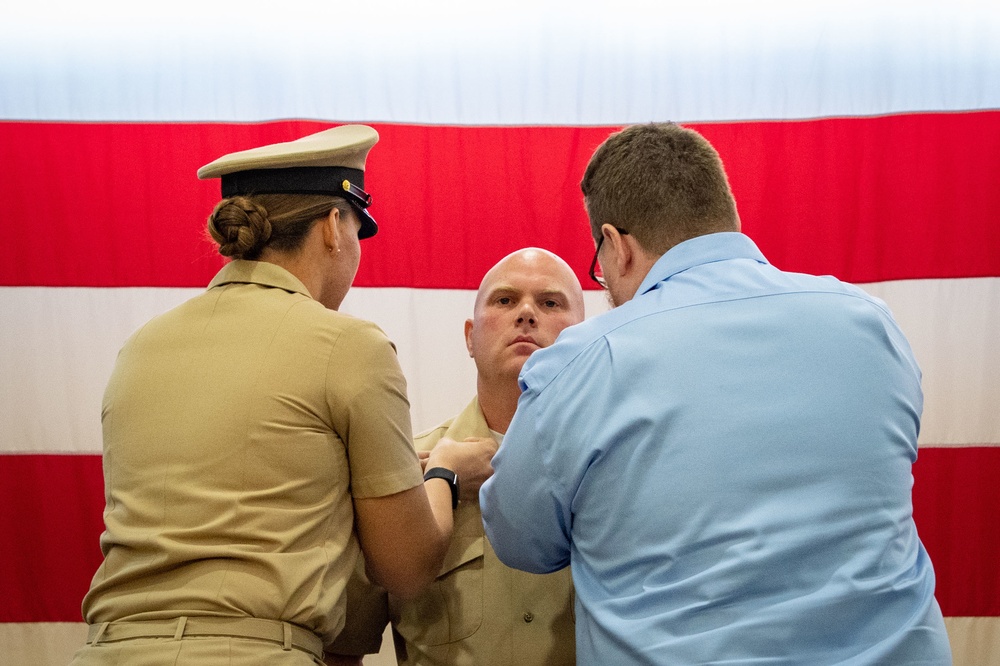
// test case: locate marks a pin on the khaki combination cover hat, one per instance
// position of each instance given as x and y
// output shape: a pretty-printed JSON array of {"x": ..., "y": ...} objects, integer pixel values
[{"x": 328, "y": 162}]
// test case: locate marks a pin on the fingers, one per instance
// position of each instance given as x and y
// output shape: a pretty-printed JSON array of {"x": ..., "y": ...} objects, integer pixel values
[
  {"x": 422, "y": 456},
  {"x": 469, "y": 459},
  {"x": 488, "y": 442}
]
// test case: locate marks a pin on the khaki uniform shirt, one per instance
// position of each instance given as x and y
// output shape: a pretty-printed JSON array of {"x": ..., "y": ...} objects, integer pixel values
[
  {"x": 237, "y": 428},
  {"x": 480, "y": 612}
]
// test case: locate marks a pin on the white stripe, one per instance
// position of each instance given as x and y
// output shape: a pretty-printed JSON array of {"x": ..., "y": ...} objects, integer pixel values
[
  {"x": 952, "y": 327},
  {"x": 975, "y": 641},
  {"x": 58, "y": 346},
  {"x": 510, "y": 63},
  {"x": 40, "y": 643}
]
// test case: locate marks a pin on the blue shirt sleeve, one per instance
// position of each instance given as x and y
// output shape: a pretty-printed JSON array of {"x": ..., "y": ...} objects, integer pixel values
[{"x": 527, "y": 504}]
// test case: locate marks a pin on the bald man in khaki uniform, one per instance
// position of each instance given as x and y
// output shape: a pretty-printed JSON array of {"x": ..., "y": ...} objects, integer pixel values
[{"x": 479, "y": 611}]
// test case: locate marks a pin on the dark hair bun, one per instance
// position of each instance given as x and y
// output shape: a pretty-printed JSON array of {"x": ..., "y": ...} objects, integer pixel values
[{"x": 240, "y": 227}]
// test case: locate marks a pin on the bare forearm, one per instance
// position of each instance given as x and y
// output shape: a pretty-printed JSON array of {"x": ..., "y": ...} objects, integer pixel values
[
  {"x": 405, "y": 536},
  {"x": 439, "y": 497}
]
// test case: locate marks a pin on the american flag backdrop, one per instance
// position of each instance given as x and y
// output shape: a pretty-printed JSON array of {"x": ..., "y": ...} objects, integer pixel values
[{"x": 862, "y": 140}]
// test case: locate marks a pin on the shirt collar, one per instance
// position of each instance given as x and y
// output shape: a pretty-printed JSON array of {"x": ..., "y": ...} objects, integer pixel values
[
  {"x": 259, "y": 272},
  {"x": 700, "y": 250}
]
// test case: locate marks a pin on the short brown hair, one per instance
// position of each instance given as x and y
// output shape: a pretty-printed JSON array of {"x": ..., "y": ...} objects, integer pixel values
[
  {"x": 243, "y": 226},
  {"x": 661, "y": 182}
]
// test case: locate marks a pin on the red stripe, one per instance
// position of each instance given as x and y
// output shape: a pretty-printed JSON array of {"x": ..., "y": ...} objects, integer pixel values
[
  {"x": 49, "y": 529},
  {"x": 865, "y": 199},
  {"x": 956, "y": 507},
  {"x": 51, "y": 523}
]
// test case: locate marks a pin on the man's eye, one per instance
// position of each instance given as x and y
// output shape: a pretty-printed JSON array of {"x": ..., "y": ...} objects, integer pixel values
[
  {"x": 504, "y": 300},
  {"x": 551, "y": 304}
]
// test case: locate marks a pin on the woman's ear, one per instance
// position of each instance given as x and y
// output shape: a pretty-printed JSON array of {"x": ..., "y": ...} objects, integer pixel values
[{"x": 331, "y": 233}]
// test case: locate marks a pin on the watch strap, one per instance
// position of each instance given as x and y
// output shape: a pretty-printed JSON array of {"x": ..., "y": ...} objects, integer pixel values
[{"x": 447, "y": 475}]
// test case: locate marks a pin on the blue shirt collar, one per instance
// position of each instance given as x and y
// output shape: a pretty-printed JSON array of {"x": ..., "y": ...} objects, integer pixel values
[{"x": 700, "y": 250}]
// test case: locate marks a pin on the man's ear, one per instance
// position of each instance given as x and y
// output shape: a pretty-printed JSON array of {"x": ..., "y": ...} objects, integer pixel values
[
  {"x": 468, "y": 336},
  {"x": 623, "y": 248}
]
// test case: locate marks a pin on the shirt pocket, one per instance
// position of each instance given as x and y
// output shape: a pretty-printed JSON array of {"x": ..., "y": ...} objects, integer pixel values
[{"x": 452, "y": 607}]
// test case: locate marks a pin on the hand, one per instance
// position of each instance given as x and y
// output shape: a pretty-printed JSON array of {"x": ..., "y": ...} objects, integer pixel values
[
  {"x": 423, "y": 456},
  {"x": 470, "y": 460}
]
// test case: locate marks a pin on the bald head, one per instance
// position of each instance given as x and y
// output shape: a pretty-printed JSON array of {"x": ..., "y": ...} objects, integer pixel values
[
  {"x": 539, "y": 262},
  {"x": 523, "y": 303}
]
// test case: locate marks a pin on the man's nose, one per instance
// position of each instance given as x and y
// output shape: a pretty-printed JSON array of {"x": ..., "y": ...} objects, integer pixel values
[{"x": 527, "y": 314}]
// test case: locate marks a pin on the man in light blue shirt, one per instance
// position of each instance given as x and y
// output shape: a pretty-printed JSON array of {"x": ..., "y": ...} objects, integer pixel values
[{"x": 725, "y": 457}]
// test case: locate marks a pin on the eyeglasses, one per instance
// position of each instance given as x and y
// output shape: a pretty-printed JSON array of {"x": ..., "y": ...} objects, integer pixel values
[{"x": 596, "y": 272}]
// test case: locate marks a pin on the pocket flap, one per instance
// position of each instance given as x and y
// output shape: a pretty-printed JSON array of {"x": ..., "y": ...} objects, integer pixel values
[{"x": 462, "y": 550}]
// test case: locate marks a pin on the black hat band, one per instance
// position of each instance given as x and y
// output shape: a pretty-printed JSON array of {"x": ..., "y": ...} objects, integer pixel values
[
  {"x": 295, "y": 180},
  {"x": 334, "y": 181}
]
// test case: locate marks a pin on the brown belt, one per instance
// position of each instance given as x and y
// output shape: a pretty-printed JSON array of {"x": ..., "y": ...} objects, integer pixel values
[{"x": 285, "y": 634}]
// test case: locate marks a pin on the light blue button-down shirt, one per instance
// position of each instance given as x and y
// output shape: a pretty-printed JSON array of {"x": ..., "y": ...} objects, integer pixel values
[{"x": 725, "y": 460}]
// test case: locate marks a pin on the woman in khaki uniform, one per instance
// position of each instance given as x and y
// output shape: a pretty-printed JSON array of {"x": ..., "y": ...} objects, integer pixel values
[{"x": 254, "y": 437}]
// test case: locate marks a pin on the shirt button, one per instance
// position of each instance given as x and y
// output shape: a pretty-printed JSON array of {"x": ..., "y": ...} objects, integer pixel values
[{"x": 528, "y": 617}]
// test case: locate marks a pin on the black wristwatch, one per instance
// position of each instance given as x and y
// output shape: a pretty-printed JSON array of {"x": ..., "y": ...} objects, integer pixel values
[{"x": 447, "y": 475}]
